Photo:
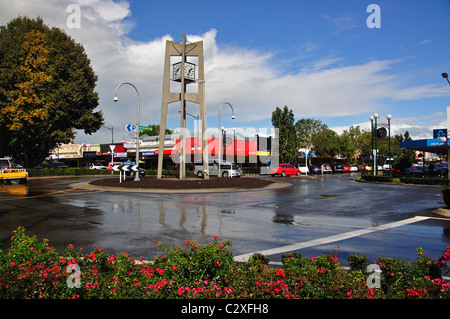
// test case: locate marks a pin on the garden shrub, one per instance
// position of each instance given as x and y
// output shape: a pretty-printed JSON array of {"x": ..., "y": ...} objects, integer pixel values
[
  {"x": 32, "y": 269},
  {"x": 376, "y": 178},
  {"x": 358, "y": 262}
]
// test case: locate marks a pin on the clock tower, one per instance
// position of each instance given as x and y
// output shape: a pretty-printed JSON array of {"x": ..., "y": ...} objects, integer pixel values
[{"x": 185, "y": 73}]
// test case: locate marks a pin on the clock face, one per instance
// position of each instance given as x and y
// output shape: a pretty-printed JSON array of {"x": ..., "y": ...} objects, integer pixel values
[
  {"x": 189, "y": 71},
  {"x": 177, "y": 71}
]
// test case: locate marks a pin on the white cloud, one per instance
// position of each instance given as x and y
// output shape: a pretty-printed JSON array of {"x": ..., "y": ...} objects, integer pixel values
[{"x": 251, "y": 80}]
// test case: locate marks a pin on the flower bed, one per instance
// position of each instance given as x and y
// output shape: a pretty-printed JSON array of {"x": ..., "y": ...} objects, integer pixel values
[{"x": 33, "y": 269}]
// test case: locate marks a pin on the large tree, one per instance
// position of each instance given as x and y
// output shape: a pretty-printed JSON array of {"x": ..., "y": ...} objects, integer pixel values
[
  {"x": 283, "y": 120},
  {"x": 47, "y": 90}
]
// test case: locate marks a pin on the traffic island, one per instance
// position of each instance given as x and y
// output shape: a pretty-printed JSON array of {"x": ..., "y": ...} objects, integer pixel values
[{"x": 190, "y": 184}]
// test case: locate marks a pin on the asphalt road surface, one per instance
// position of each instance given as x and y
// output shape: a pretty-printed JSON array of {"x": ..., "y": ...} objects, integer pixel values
[{"x": 314, "y": 216}]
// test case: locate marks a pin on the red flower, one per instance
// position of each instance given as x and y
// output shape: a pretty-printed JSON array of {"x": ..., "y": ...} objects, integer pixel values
[
  {"x": 174, "y": 268},
  {"x": 280, "y": 272},
  {"x": 187, "y": 242},
  {"x": 216, "y": 238}
]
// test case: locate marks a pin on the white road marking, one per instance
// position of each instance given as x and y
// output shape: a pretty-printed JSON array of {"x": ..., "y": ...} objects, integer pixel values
[{"x": 331, "y": 239}]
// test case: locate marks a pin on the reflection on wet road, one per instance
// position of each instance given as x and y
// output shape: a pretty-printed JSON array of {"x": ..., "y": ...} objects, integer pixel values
[{"x": 312, "y": 208}]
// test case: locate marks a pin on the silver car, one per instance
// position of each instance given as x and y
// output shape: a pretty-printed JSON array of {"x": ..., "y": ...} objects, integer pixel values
[{"x": 227, "y": 169}]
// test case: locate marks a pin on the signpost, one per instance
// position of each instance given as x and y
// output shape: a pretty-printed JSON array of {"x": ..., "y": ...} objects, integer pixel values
[
  {"x": 132, "y": 128},
  {"x": 125, "y": 167}
]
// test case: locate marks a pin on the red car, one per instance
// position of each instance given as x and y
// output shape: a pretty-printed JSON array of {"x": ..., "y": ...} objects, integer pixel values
[{"x": 285, "y": 169}]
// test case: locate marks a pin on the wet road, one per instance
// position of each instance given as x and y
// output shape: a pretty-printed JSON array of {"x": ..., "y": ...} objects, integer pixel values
[{"x": 316, "y": 215}]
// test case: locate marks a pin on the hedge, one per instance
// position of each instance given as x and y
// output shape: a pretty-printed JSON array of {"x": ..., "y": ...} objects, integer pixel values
[
  {"x": 406, "y": 180},
  {"x": 33, "y": 172},
  {"x": 33, "y": 269}
]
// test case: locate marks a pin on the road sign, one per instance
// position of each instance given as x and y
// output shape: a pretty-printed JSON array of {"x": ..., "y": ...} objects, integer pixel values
[
  {"x": 117, "y": 168},
  {"x": 145, "y": 128},
  {"x": 130, "y": 127}
]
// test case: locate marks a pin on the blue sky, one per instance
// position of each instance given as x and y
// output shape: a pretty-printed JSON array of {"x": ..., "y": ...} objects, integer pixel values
[{"x": 317, "y": 57}]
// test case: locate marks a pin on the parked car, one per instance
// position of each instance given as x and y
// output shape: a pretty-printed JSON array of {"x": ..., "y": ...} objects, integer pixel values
[
  {"x": 326, "y": 168},
  {"x": 304, "y": 169},
  {"x": 441, "y": 169},
  {"x": 354, "y": 168},
  {"x": 347, "y": 168},
  {"x": 285, "y": 169},
  {"x": 58, "y": 165},
  {"x": 95, "y": 165},
  {"x": 314, "y": 169},
  {"x": 414, "y": 171},
  {"x": 142, "y": 172},
  {"x": 337, "y": 168},
  {"x": 227, "y": 169}
]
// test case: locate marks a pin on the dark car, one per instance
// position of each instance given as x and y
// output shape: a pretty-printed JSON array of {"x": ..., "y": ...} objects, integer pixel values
[
  {"x": 337, "y": 168},
  {"x": 315, "y": 169},
  {"x": 142, "y": 172},
  {"x": 58, "y": 165}
]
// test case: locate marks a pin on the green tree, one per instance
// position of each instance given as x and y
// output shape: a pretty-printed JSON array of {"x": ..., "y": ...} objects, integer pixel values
[
  {"x": 306, "y": 128},
  {"x": 360, "y": 141},
  {"x": 47, "y": 90},
  {"x": 283, "y": 119},
  {"x": 326, "y": 143}
]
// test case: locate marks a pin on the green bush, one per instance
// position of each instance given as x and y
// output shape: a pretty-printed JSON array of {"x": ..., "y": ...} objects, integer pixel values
[
  {"x": 358, "y": 262},
  {"x": 33, "y": 269},
  {"x": 424, "y": 181},
  {"x": 376, "y": 178}
]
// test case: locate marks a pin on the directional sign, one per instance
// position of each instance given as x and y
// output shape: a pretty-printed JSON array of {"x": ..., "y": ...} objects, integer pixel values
[
  {"x": 117, "y": 168},
  {"x": 134, "y": 168},
  {"x": 145, "y": 128},
  {"x": 130, "y": 127}
]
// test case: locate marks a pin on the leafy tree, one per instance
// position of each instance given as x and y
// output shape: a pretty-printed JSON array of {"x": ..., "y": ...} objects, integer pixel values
[
  {"x": 47, "y": 90},
  {"x": 346, "y": 148},
  {"x": 326, "y": 143},
  {"x": 360, "y": 141},
  {"x": 283, "y": 119},
  {"x": 406, "y": 157},
  {"x": 306, "y": 128}
]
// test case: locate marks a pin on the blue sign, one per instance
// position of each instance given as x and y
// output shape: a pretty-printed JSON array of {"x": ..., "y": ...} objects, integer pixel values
[
  {"x": 128, "y": 163},
  {"x": 130, "y": 127},
  {"x": 151, "y": 153}
]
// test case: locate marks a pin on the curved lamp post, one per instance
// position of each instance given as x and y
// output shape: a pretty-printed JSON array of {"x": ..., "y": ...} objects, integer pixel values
[
  {"x": 220, "y": 153},
  {"x": 136, "y": 178}
]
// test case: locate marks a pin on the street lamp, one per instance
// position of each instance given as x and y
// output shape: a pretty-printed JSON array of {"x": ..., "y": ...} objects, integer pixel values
[
  {"x": 220, "y": 127},
  {"x": 376, "y": 116},
  {"x": 136, "y": 178},
  {"x": 389, "y": 117},
  {"x": 445, "y": 76},
  {"x": 371, "y": 141}
]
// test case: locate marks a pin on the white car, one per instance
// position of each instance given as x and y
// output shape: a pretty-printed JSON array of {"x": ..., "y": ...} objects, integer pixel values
[
  {"x": 227, "y": 169},
  {"x": 304, "y": 169},
  {"x": 96, "y": 165}
]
